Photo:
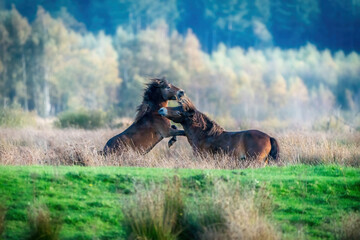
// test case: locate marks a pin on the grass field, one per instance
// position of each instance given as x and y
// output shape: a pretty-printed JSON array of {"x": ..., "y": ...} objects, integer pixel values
[
  {"x": 307, "y": 201},
  {"x": 312, "y": 192}
]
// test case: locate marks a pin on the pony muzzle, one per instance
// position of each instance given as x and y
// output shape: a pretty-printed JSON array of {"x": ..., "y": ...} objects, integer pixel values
[
  {"x": 162, "y": 111},
  {"x": 180, "y": 94}
]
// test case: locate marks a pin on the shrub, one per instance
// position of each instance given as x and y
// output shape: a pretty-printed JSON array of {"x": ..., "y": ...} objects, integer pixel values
[
  {"x": 16, "y": 117},
  {"x": 86, "y": 119},
  {"x": 42, "y": 226},
  {"x": 332, "y": 123}
]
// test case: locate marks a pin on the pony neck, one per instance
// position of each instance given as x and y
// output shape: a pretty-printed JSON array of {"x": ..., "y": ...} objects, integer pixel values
[
  {"x": 202, "y": 125},
  {"x": 157, "y": 106},
  {"x": 149, "y": 108},
  {"x": 193, "y": 129}
]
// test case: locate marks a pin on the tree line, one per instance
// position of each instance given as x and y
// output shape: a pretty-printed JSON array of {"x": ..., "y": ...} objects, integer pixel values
[
  {"x": 48, "y": 67},
  {"x": 331, "y": 24}
]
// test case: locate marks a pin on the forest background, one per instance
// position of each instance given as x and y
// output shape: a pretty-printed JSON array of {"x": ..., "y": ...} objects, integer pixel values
[{"x": 280, "y": 63}]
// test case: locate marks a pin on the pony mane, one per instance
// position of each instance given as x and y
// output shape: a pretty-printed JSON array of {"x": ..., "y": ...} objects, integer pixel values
[
  {"x": 204, "y": 122},
  {"x": 147, "y": 105},
  {"x": 200, "y": 119}
]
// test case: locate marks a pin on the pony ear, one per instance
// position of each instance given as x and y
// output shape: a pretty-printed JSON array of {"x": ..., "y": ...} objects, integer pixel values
[
  {"x": 156, "y": 80},
  {"x": 160, "y": 82},
  {"x": 163, "y": 81}
]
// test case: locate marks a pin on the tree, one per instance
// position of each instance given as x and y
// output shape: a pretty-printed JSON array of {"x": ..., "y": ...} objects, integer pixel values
[{"x": 14, "y": 33}]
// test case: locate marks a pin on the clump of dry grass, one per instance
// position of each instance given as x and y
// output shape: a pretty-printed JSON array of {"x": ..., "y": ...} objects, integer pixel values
[
  {"x": 42, "y": 226},
  {"x": 155, "y": 213},
  {"x": 240, "y": 215},
  {"x": 226, "y": 213},
  {"x": 349, "y": 227},
  {"x": 2, "y": 219},
  {"x": 80, "y": 147}
]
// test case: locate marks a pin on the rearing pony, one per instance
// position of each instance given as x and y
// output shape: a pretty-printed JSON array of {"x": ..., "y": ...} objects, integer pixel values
[
  {"x": 149, "y": 126},
  {"x": 205, "y": 135}
]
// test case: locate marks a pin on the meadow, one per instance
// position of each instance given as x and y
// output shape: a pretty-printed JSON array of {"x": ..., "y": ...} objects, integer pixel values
[
  {"x": 55, "y": 178},
  {"x": 73, "y": 74}
]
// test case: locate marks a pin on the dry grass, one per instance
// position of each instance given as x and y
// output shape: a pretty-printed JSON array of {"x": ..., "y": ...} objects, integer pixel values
[
  {"x": 320, "y": 147},
  {"x": 72, "y": 146},
  {"x": 155, "y": 213},
  {"x": 42, "y": 226},
  {"x": 349, "y": 227},
  {"x": 226, "y": 213},
  {"x": 240, "y": 215},
  {"x": 2, "y": 219}
]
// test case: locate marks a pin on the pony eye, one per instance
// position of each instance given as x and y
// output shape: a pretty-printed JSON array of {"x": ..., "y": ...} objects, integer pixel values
[{"x": 168, "y": 87}]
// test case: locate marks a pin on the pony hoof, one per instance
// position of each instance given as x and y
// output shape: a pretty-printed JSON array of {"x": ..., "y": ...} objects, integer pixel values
[{"x": 171, "y": 142}]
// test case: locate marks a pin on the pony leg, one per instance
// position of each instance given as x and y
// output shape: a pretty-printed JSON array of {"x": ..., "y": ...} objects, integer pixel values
[
  {"x": 173, "y": 139},
  {"x": 173, "y": 133}
]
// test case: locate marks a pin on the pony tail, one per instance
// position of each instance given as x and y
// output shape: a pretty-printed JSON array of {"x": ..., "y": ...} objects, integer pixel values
[{"x": 275, "y": 151}]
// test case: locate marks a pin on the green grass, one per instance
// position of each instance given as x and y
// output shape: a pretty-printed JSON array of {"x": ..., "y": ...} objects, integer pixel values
[{"x": 88, "y": 200}]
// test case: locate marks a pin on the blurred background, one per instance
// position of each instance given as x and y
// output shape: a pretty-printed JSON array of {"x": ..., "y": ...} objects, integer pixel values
[{"x": 246, "y": 63}]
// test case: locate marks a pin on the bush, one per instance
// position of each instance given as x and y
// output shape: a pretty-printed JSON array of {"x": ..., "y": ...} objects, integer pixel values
[
  {"x": 332, "y": 123},
  {"x": 16, "y": 117},
  {"x": 86, "y": 119}
]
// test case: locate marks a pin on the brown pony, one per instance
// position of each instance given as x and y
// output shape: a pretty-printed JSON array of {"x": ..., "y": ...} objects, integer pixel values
[
  {"x": 149, "y": 126},
  {"x": 205, "y": 135}
]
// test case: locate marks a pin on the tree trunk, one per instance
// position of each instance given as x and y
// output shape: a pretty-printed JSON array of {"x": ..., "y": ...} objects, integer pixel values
[
  {"x": 4, "y": 74},
  {"x": 47, "y": 104},
  {"x": 26, "y": 104}
]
